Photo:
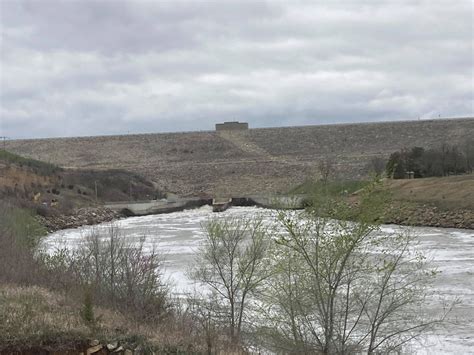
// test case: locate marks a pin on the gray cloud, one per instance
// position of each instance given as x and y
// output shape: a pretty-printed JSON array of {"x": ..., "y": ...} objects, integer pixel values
[{"x": 107, "y": 67}]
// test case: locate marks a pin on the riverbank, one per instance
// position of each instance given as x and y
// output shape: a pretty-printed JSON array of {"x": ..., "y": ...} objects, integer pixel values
[
  {"x": 428, "y": 216},
  {"x": 78, "y": 218},
  {"x": 406, "y": 214},
  {"x": 446, "y": 202},
  {"x": 113, "y": 211}
]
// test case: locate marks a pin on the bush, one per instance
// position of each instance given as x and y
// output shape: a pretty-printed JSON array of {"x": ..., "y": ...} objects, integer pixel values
[
  {"x": 118, "y": 273},
  {"x": 43, "y": 211}
]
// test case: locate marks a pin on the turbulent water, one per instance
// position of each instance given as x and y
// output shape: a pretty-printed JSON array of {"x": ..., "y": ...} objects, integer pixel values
[{"x": 178, "y": 235}]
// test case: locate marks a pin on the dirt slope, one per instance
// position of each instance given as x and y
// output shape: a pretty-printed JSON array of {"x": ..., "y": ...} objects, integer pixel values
[{"x": 451, "y": 192}]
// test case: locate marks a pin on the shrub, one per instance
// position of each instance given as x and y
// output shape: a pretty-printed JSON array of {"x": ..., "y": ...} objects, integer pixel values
[
  {"x": 87, "y": 311},
  {"x": 119, "y": 273},
  {"x": 43, "y": 211}
]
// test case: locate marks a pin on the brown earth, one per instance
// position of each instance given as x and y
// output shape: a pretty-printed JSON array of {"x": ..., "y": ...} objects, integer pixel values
[
  {"x": 446, "y": 202},
  {"x": 446, "y": 193}
]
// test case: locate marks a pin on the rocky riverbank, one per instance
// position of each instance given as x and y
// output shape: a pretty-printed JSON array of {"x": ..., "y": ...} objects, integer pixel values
[
  {"x": 78, "y": 218},
  {"x": 406, "y": 214},
  {"x": 430, "y": 216}
]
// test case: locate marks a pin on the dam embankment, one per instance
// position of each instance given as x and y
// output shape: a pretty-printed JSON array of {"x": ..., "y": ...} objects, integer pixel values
[{"x": 246, "y": 162}]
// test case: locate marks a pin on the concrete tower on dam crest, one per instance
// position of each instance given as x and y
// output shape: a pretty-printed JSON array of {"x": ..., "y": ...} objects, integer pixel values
[{"x": 232, "y": 126}]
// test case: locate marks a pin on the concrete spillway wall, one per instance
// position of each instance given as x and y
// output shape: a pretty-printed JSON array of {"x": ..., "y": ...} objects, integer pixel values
[
  {"x": 143, "y": 208},
  {"x": 246, "y": 162}
]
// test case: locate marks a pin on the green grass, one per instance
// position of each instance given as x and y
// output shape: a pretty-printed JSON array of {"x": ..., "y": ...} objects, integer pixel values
[
  {"x": 39, "y": 167},
  {"x": 330, "y": 188},
  {"x": 22, "y": 223}
]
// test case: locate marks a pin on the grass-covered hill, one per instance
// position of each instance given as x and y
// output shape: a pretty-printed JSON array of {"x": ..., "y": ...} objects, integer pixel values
[{"x": 44, "y": 184}]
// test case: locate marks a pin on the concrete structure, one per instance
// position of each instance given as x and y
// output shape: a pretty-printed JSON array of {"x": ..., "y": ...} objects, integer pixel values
[
  {"x": 143, "y": 208},
  {"x": 232, "y": 126},
  {"x": 220, "y": 205},
  {"x": 246, "y": 162}
]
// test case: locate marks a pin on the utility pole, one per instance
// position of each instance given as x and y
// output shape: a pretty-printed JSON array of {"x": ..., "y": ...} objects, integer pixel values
[{"x": 4, "y": 142}]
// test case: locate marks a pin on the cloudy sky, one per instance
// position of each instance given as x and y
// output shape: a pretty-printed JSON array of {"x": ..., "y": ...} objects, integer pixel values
[{"x": 111, "y": 67}]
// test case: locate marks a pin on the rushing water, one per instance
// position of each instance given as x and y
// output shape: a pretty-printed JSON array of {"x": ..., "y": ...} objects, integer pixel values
[{"x": 179, "y": 234}]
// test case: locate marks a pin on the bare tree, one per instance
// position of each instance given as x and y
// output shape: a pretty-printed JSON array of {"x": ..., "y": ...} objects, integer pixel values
[
  {"x": 467, "y": 148},
  {"x": 376, "y": 165},
  {"x": 326, "y": 169},
  {"x": 231, "y": 263}
]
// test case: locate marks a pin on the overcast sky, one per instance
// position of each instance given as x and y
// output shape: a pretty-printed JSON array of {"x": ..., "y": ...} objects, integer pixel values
[{"x": 111, "y": 67}]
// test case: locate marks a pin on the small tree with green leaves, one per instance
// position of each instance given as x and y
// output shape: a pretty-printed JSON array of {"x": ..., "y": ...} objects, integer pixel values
[
  {"x": 341, "y": 286},
  {"x": 231, "y": 263}
]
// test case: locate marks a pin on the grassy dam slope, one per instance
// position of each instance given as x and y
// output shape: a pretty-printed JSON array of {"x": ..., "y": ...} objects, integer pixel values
[{"x": 245, "y": 162}]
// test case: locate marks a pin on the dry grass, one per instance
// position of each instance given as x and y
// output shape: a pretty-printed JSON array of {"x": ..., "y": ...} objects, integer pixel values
[
  {"x": 32, "y": 316},
  {"x": 451, "y": 192}
]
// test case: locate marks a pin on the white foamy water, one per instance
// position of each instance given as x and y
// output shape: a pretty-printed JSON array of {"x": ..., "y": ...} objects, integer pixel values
[{"x": 178, "y": 236}]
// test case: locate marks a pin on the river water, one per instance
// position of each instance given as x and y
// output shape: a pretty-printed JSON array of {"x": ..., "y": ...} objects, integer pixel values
[{"x": 178, "y": 236}]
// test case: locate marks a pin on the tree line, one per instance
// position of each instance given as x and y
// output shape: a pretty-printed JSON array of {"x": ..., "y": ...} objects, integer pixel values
[{"x": 447, "y": 159}]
